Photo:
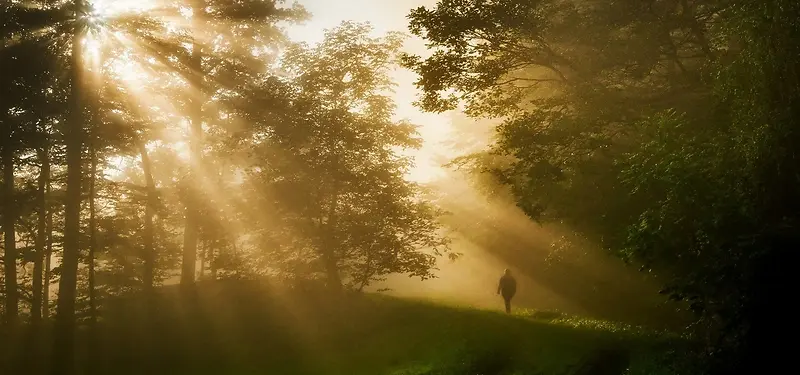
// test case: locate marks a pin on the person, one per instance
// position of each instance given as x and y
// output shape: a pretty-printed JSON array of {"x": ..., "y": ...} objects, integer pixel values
[{"x": 507, "y": 288}]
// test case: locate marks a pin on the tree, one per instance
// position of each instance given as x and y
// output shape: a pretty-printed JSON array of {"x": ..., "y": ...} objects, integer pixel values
[
  {"x": 565, "y": 116},
  {"x": 9, "y": 224},
  {"x": 568, "y": 81},
  {"x": 24, "y": 105},
  {"x": 142, "y": 31},
  {"x": 52, "y": 103},
  {"x": 252, "y": 24},
  {"x": 329, "y": 166},
  {"x": 80, "y": 19},
  {"x": 672, "y": 111},
  {"x": 63, "y": 361},
  {"x": 149, "y": 253},
  {"x": 723, "y": 218},
  {"x": 41, "y": 236},
  {"x": 36, "y": 35}
]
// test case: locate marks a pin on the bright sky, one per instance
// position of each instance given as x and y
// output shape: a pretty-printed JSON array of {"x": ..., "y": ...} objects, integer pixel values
[{"x": 385, "y": 16}]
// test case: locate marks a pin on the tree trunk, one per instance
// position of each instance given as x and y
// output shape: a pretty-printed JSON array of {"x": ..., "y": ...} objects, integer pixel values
[
  {"x": 332, "y": 270},
  {"x": 190, "y": 232},
  {"x": 189, "y": 258},
  {"x": 9, "y": 233},
  {"x": 211, "y": 254},
  {"x": 203, "y": 247},
  {"x": 90, "y": 261},
  {"x": 63, "y": 359},
  {"x": 330, "y": 246},
  {"x": 48, "y": 251},
  {"x": 222, "y": 232},
  {"x": 364, "y": 280},
  {"x": 41, "y": 238},
  {"x": 149, "y": 251}
]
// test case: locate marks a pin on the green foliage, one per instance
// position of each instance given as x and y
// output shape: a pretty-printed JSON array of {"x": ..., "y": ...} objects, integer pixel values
[
  {"x": 661, "y": 129},
  {"x": 38, "y": 39},
  {"x": 331, "y": 171},
  {"x": 567, "y": 83}
]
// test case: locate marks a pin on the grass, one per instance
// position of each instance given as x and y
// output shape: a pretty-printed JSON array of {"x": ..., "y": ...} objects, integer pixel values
[{"x": 234, "y": 328}]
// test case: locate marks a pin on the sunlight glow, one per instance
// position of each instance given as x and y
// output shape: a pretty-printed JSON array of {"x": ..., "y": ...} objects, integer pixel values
[
  {"x": 112, "y": 8},
  {"x": 186, "y": 12},
  {"x": 91, "y": 45},
  {"x": 387, "y": 16},
  {"x": 127, "y": 70}
]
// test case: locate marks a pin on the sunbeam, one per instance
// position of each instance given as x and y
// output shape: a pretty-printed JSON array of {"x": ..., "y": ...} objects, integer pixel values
[{"x": 253, "y": 186}]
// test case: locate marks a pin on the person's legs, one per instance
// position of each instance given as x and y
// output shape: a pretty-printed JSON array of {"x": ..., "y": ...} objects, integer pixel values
[{"x": 507, "y": 300}]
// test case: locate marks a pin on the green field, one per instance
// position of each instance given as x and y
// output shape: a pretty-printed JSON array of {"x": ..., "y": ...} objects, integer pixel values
[{"x": 241, "y": 329}]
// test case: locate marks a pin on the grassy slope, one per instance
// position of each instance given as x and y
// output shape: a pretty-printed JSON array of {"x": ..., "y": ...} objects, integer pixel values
[{"x": 239, "y": 329}]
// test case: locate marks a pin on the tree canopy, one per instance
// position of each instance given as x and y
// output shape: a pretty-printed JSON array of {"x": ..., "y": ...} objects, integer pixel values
[
  {"x": 125, "y": 131},
  {"x": 658, "y": 128}
]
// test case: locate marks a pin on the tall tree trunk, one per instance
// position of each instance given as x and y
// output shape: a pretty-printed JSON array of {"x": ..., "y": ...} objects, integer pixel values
[
  {"x": 214, "y": 250},
  {"x": 92, "y": 234},
  {"x": 191, "y": 223},
  {"x": 33, "y": 350},
  {"x": 48, "y": 255},
  {"x": 63, "y": 359},
  {"x": 330, "y": 247},
  {"x": 332, "y": 270},
  {"x": 211, "y": 254},
  {"x": 203, "y": 251},
  {"x": 149, "y": 251},
  {"x": 92, "y": 254},
  {"x": 9, "y": 233},
  {"x": 41, "y": 238}
]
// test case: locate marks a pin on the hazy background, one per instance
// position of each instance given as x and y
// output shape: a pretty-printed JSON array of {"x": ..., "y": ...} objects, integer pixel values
[{"x": 554, "y": 271}]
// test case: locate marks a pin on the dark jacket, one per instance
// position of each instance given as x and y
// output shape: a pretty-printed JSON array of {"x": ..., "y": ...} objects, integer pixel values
[{"x": 507, "y": 286}]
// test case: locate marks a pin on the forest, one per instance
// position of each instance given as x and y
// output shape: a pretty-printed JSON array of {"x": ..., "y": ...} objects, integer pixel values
[{"x": 188, "y": 189}]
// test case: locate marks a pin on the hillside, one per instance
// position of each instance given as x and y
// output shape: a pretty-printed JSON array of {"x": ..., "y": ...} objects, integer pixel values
[{"x": 245, "y": 328}]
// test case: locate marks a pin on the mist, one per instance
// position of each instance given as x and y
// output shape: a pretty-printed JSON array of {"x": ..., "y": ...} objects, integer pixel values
[{"x": 405, "y": 187}]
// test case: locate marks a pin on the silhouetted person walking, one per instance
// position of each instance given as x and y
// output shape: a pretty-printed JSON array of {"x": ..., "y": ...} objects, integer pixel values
[{"x": 507, "y": 288}]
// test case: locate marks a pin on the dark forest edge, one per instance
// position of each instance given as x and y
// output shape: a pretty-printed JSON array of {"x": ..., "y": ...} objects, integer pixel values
[{"x": 664, "y": 130}]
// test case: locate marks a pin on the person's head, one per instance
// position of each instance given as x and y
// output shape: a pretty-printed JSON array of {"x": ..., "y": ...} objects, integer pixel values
[{"x": 507, "y": 272}]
